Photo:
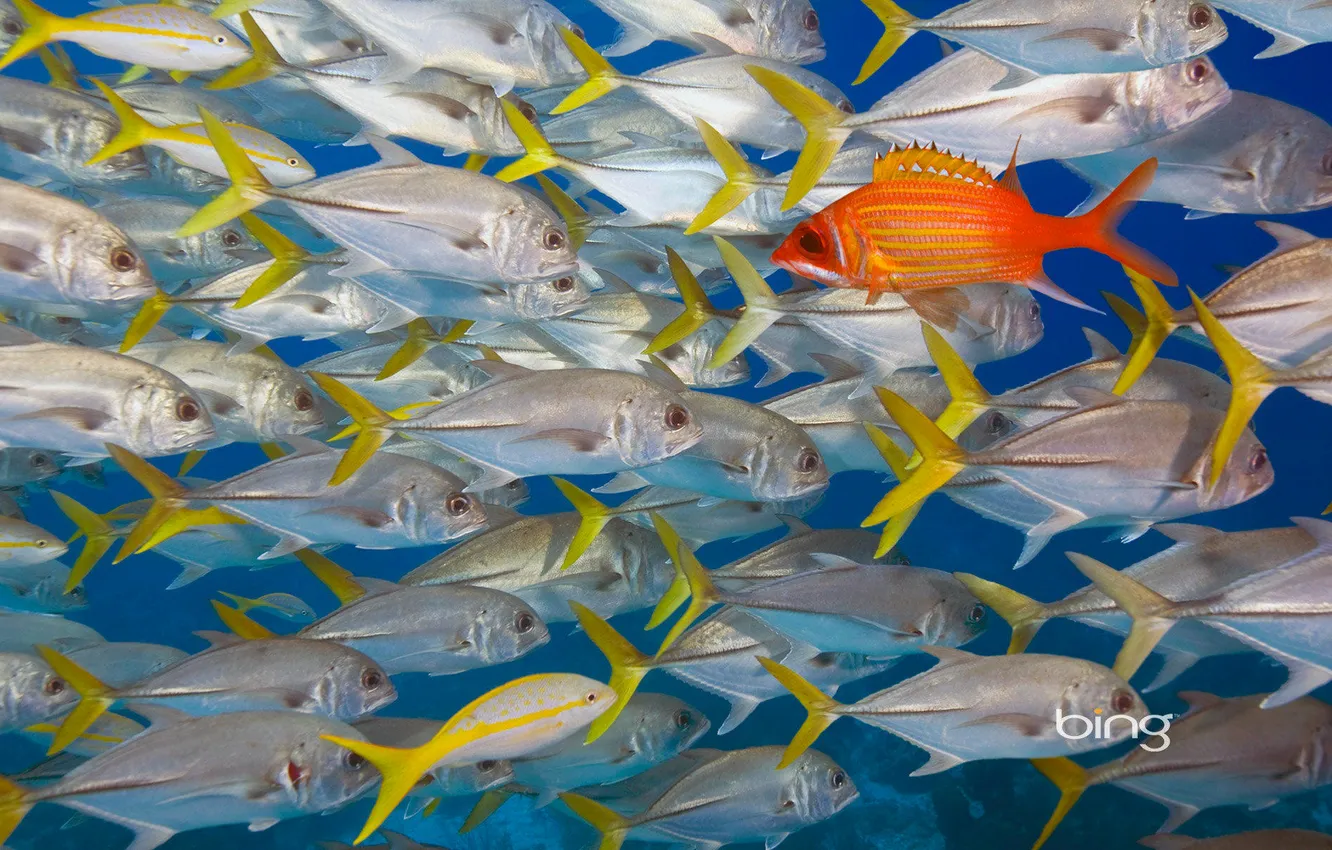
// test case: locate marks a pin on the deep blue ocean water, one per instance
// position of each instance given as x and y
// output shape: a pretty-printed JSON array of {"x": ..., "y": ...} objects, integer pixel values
[{"x": 994, "y": 805}]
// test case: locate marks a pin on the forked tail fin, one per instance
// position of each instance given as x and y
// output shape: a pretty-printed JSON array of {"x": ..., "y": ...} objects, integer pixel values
[
  {"x": 1023, "y": 613},
  {"x": 1097, "y": 228},
  {"x": 628, "y": 665},
  {"x": 1071, "y": 780},
  {"x": 819, "y": 705}
]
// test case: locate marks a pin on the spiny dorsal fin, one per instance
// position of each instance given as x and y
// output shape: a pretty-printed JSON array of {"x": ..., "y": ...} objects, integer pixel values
[{"x": 901, "y": 163}]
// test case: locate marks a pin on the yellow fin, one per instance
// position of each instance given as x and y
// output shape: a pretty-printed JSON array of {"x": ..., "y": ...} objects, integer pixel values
[
  {"x": 169, "y": 514},
  {"x": 1023, "y": 613},
  {"x": 593, "y": 516},
  {"x": 942, "y": 459},
  {"x": 486, "y": 806},
  {"x": 540, "y": 155},
  {"x": 14, "y": 804},
  {"x": 760, "y": 301},
  {"x": 190, "y": 461},
  {"x": 628, "y": 665},
  {"x": 741, "y": 180},
  {"x": 239, "y": 623},
  {"x": 95, "y": 528},
  {"x": 897, "y": 462},
  {"x": 263, "y": 63},
  {"x": 819, "y": 706},
  {"x": 134, "y": 130},
  {"x": 969, "y": 399},
  {"x": 1071, "y": 780},
  {"x": 95, "y": 698},
  {"x": 602, "y": 79},
  {"x": 702, "y": 593},
  {"x": 334, "y": 577},
  {"x": 678, "y": 592},
  {"x": 576, "y": 219},
  {"x": 613, "y": 827},
  {"x": 371, "y": 420},
  {"x": 697, "y": 312},
  {"x": 60, "y": 68},
  {"x": 475, "y": 162},
  {"x": 896, "y": 30},
  {"x": 150, "y": 313},
  {"x": 399, "y": 769},
  {"x": 40, "y": 27},
  {"x": 420, "y": 336},
  {"x": 1150, "y": 611},
  {"x": 249, "y": 188},
  {"x": 824, "y": 133},
  {"x": 1159, "y": 324},
  {"x": 288, "y": 259}
]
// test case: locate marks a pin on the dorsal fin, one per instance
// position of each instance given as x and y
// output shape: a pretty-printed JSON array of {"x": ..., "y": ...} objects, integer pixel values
[
  {"x": 1010, "y": 180},
  {"x": 901, "y": 163}
]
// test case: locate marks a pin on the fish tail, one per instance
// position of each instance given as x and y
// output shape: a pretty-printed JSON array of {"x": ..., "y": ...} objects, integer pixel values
[
  {"x": 1071, "y": 780},
  {"x": 288, "y": 259},
  {"x": 820, "y": 706},
  {"x": 60, "y": 68},
  {"x": 1151, "y": 612},
  {"x": 367, "y": 419},
  {"x": 241, "y": 603},
  {"x": 539, "y": 155},
  {"x": 399, "y": 769},
  {"x": 475, "y": 162},
  {"x": 613, "y": 826},
  {"x": 697, "y": 312},
  {"x": 760, "y": 300},
  {"x": 968, "y": 398},
  {"x": 897, "y": 28},
  {"x": 1250, "y": 383},
  {"x": 334, "y": 577},
  {"x": 741, "y": 180},
  {"x": 824, "y": 133},
  {"x": 628, "y": 665},
  {"x": 897, "y": 461},
  {"x": 678, "y": 592},
  {"x": 14, "y": 804},
  {"x": 485, "y": 807},
  {"x": 240, "y": 623},
  {"x": 1097, "y": 227},
  {"x": 40, "y": 28},
  {"x": 576, "y": 219},
  {"x": 249, "y": 188},
  {"x": 95, "y": 698},
  {"x": 602, "y": 78},
  {"x": 150, "y": 313},
  {"x": 229, "y": 8},
  {"x": 593, "y": 516},
  {"x": 134, "y": 130},
  {"x": 1149, "y": 328},
  {"x": 169, "y": 514},
  {"x": 95, "y": 528},
  {"x": 702, "y": 592},
  {"x": 263, "y": 63},
  {"x": 190, "y": 461},
  {"x": 420, "y": 336},
  {"x": 1023, "y": 613},
  {"x": 941, "y": 459},
  {"x": 1134, "y": 320}
]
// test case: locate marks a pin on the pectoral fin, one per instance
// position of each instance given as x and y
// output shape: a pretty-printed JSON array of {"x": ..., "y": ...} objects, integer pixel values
[
  {"x": 1105, "y": 40},
  {"x": 16, "y": 260},
  {"x": 82, "y": 418},
  {"x": 576, "y": 439},
  {"x": 1026, "y": 725},
  {"x": 367, "y": 517}
]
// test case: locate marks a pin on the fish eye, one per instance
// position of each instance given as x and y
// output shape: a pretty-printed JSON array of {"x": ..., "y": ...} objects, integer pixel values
[
  {"x": 231, "y": 238},
  {"x": 11, "y": 27},
  {"x": 845, "y": 106},
  {"x": 487, "y": 766},
  {"x": 54, "y": 686},
  {"x": 528, "y": 111},
  {"x": 219, "y": 39},
  {"x": 524, "y": 622},
  {"x": 514, "y": 484},
  {"x": 554, "y": 239},
  {"x": 1258, "y": 460},
  {"x": 577, "y": 30},
  {"x": 591, "y": 697},
  {"x": 355, "y": 761},
  {"x": 124, "y": 260},
  {"x": 683, "y": 719},
  {"x": 187, "y": 410},
  {"x": 1034, "y": 311},
  {"x": 811, "y": 20},
  {"x": 811, "y": 243},
  {"x": 1198, "y": 71},
  {"x": 458, "y": 504},
  {"x": 564, "y": 284},
  {"x": 293, "y": 161},
  {"x": 977, "y": 614},
  {"x": 40, "y": 461},
  {"x": 41, "y": 542},
  {"x": 996, "y": 422},
  {"x": 77, "y": 593},
  {"x": 372, "y": 679},
  {"x": 304, "y": 399},
  {"x": 1327, "y": 163},
  {"x": 808, "y": 461},
  {"x": 838, "y": 778},
  {"x": 676, "y": 417},
  {"x": 1200, "y": 16},
  {"x": 1121, "y": 701}
]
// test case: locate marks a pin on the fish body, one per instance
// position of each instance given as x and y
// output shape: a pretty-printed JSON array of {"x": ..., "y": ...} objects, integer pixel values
[
  {"x": 1294, "y": 839},
  {"x": 483, "y": 302},
  {"x": 20, "y": 467},
  {"x": 151, "y": 223},
  {"x": 22, "y": 632},
  {"x": 457, "y": 781},
  {"x": 1292, "y": 26},
  {"x": 24, "y": 544},
  {"x": 441, "y": 372},
  {"x": 509, "y": 495},
  {"x": 121, "y": 664},
  {"x": 699, "y": 524},
  {"x": 787, "y": 30},
  {"x": 38, "y": 588}
]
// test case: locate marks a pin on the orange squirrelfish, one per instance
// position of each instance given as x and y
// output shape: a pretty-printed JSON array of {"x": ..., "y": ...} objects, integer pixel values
[{"x": 953, "y": 223}]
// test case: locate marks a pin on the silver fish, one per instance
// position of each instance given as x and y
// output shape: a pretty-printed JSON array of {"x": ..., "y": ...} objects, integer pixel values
[
  {"x": 452, "y": 781},
  {"x": 777, "y": 29},
  {"x": 441, "y": 372},
  {"x": 151, "y": 224},
  {"x": 698, "y": 524},
  {"x": 483, "y": 302},
  {"x": 1293, "y": 26},
  {"x": 120, "y": 665},
  {"x": 1291, "y": 839},
  {"x": 398, "y": 841},
  {"x": 163, "y": 102},
  {"x": 39, "y": 589},
  {"x": 19, "y": 466},
  {"x": 635, "y": 794},
  {"x": 596, "y": 129},
  {"x": 509, "y": 495},
  {"x": 31, "y": 692},
  {"x": 26, "y": 632}
]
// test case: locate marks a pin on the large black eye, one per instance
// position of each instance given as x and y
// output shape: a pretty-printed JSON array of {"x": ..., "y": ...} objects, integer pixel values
[
  {"x": 1199, "y": 71},
  {"x": 683, "y": 719},
  {"x": 54, "y": 686},
  {"x": 577, "y": 30},
  {"x": 995, "y": 423},
  {"x": 838, "y": 778},
  {"x": 524, "y": 622},
  {"x": 1258, "y": 460},
  {"x": 40, "y": 461},
  {"x": 219, "y": 39},
  {"x": 1200, "y": 16},
  {"x": 977, "y": 614},
  {"x": 355, "y": 761},
  {"x": 846, "y": 106},
  {"x": 231, "y": 238},
  {"x": 808, "y": 461},
  {"x": 372, "y": 680},
  {"x": 187, "y": 410},
  {"x": 11, "y": 26},
  {"x": 554, "y": 239},
  {"x": 591, "y": 698},
  {"x": 811, "y": 243},
  {"x": 676, "y": 417},
  {"x": 1034, "y": 311},
  {"x": 564, "y": 284},
  {"x": 304, "y": 399},
  {"x": 458, "y": 504},
  {"x": 811, "y": 21},
  {"x": 1122, "y": 701},
  {"x": 124, "y": 260},
  {"x": 528, "y": 111}
]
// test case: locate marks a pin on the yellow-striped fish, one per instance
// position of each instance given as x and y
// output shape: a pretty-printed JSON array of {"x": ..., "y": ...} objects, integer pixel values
[
  {"x": 171, "y": 38},
  {"x": 511, "y": 721},
  {"x": 188, "y": 144}
]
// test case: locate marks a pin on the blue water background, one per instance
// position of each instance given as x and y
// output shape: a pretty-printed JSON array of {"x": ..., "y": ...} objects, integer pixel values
[{"x": 995, "y": 805}]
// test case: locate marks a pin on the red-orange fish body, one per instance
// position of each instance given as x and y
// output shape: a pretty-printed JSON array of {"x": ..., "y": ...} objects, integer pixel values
[{"x": 952, "y": 224}]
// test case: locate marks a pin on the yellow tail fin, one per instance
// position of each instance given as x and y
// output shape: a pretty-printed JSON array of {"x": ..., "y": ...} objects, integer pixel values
[
  {"x": 399, "y": 770},
  {"x": 288, "y": 259},
  {"x": 1250, "y": 384},
  {"x": 99, "y": 533},
  {"x": 475, "y": 162},
  {"x": 60, "y": 68},
  {"x": 420, "y": 336},
  {"x": 824, "y": 133},
  {"x": 1150, "y": 611},
  {"x": 368, "y": 419},
  {"x": 1023, "y": 613},
  {"x": 741, "y": 181},
  {"x": 190, "y": 461},
  {"x": 486, "y": 806},
  {"x": 614, "y": 827},
  {"x": 540, "y": 155},
  {"x": 896, "y": 30},
  {"x": 1133, "y": 320},
  {"x": 576, "y": 219},
  {"x": 698, "y": 310},
  {"x": 14, "y": 804},
  {"x": 249, "y": 188},
  {"x": 41, "y": 27},
  {"x": 969, "y": 398},
  {"x": 602, "y": 79},
  {"x": 1160, "y": 322},
  {"x": 1071, "y": 780},
  {"x": 821, "y": 707},
  {"x": 941, "y": 459},
  {"x": 240, "y": 623},
  {"x": 169, "y": 514},
  {"x": 263, "y": 63},
  {"x": 702, "y": 593},
  {"x": 760, "y": 303},
  {"x": 334, "y": 577},
  {"x": 134, "y": 130},
  {"x": 678, "y": 592},
  {"x": 150, "y": 313},
  {"x": 95, "y": 698},
  {"x": 897, "y": 462},
  {"x": 628, "y": 665},
  {"x": 594, "y": 516}
]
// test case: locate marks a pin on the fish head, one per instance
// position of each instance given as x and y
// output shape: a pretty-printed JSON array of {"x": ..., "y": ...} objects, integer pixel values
[
  {"x": 1248, "y": 472},
  {"x": 81, "y": 135},
  {"x": 11, "y": 24},
  {"x": 319, "y": 775},
  {"x": 652, "y": 424},
  {"x": 507, "y": 628},
  {"x": 814, "y": 788},
  {"x": 1293, "y": 164},
  {"x": 53, "y": 328},
  {"x": 532, "y": 243},
  {"x": 461, "y": 780},
  {"x": 1174, "y": 30},
  {"x": 1180, "y": 94},
  {"x": 786, "y": 465},
  {"x": 510, "y": 495},
  {"x": 990, "y": 428},
  {"x": 437, "y": 508},
  {"x": 104, "y": 266},
  {"x": 282, "y": 404},
  {"x": 837, "y": 668},
  {"x": 27, "y": 466},
  {"x": 663, "y": 726},
  {"x": 1010, "y": 311},
  {"x": 1093, "y": 691},
  {"x": 356, "y": 686},
  {"x": 689, "y": 359},
  {"x": 957, "y": 617},
  {"x": 30, "y": 689},
  {"x": 495, "y": 134},
  {"x": 554, "y": 63},
  {"x": 549, "y": 299},
  {"x": 166, "y": 418},
  {"x": 789, "y": 30},
  {"x": 51, "y": 593},
  {"x": 817, "y": 249},
  {"x": 225, "y": 247}
]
